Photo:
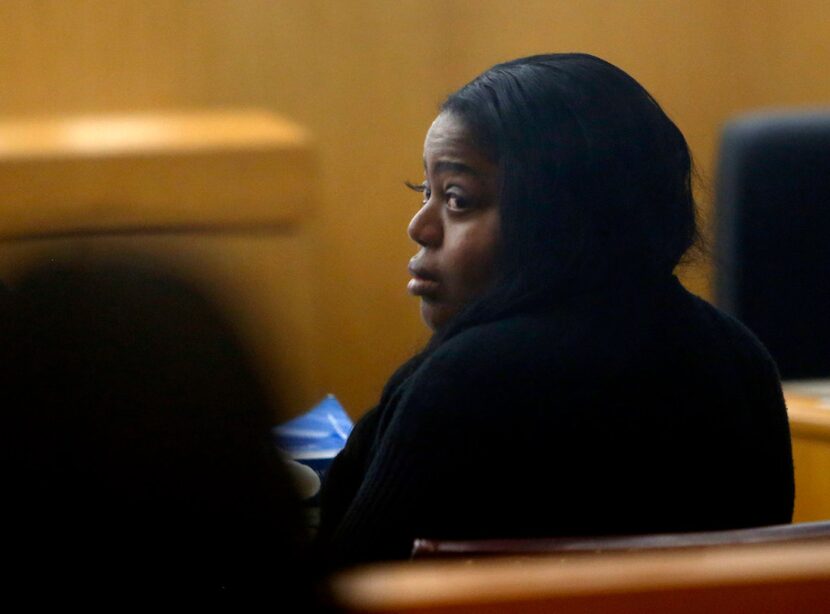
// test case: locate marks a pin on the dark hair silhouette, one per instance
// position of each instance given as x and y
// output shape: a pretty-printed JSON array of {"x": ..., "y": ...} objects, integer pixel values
[
  {"x": 595, "y": 181},
  {"x": 142, "y": 453}
]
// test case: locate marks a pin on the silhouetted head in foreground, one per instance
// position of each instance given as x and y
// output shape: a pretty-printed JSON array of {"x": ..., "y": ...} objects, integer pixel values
[{"x": 143, "y": 456}]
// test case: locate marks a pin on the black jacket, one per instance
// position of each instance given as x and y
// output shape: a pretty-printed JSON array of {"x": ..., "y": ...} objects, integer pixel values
[{"x": 609, "y": 413}]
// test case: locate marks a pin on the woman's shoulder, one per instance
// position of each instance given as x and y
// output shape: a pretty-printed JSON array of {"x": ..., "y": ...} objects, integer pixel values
[
  {"x": 593, "y": 337},
  {"x": 729, "y": 335},
  {"x": 467, "y": 384}
]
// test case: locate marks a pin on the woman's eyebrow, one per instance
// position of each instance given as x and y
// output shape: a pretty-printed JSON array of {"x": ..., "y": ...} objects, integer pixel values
[{"x": 449, "y": 166}]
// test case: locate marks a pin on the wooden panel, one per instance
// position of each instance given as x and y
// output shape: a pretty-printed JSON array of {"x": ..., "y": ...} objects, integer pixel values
[
  {"x": 809, "y": 416},
  {"x": 812, "y": 479},
  {"x": 203, "y": 169},
  {"x": 748, "y": 579},
  {"x": 810, "y": 427},
  {"x": 786, "y": 47}
]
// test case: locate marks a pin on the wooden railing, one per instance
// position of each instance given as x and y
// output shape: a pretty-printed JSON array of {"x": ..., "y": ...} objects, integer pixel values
[
  {"x": 223, "y": 196},
  {"x": 769, "y": 579}
]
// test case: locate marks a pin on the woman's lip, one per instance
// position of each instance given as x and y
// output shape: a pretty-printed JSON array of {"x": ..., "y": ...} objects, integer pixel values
[
  {"x": 420, "y": 286},
  {"x": 416, "y": 270},
  {"x": 424, "y": 283}
]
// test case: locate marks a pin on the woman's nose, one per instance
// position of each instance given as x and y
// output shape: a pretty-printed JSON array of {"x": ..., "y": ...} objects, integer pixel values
[{"x": 425, "y": 228}]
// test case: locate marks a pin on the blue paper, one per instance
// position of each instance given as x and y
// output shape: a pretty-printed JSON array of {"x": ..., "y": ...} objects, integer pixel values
[
  {"x": 319, "y": 433},
  {"x": 311, "y": 441}
]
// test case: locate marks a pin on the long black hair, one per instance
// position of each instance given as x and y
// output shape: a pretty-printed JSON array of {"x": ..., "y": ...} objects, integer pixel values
[{"x": 595, "y": 181}]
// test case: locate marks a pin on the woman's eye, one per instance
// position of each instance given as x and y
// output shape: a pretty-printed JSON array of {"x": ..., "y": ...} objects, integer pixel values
[{"x": 456, "y": 203}]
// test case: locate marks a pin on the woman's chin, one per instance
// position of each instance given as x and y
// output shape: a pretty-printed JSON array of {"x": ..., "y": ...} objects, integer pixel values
[{"x": 435, "y": 314}]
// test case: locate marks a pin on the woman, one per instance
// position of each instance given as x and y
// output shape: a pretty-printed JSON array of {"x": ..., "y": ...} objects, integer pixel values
[{"x": 572, "y": 386}]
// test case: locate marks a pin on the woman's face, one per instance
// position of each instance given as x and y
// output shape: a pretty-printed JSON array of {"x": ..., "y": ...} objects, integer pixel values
[{"x": 457, "y": 226}]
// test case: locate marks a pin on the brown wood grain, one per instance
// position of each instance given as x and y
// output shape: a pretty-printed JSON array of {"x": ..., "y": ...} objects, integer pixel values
[
  {"x": 124, "y": 173},
  {"x": 742, "y": 579},
  {"x": 810, "y": 428}
]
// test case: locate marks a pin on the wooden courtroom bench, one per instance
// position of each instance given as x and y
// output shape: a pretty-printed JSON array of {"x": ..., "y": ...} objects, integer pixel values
[
  {"x": 805, "y": 531},
  {"x": 222, "y": 196},
  {"x": 743, "y": 579}
]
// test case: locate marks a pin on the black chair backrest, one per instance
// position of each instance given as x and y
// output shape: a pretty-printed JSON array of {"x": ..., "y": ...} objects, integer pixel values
[{"x": 772, "y": 267}]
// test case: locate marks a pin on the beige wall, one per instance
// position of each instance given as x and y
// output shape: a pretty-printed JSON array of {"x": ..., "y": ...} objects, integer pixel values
[{"x": 365, "y": 77}]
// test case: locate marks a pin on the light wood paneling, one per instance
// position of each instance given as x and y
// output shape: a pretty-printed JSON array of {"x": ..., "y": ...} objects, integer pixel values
[
  {"x": 812, "y": 478},
  {"x": 365, "y": 76},
  {"x": 810, "y": 426},
  {"x": 62, "y": 175}
]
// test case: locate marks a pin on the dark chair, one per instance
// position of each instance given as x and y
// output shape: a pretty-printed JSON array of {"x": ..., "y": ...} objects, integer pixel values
[
  {"x": 772, "y": 266},
  {"x": 433, "y": 548}
]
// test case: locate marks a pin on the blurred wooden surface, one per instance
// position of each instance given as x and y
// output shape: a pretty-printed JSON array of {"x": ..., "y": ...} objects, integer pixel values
[
  {"x": 455, "y": 549},
  {"x": 69, "y": 175},
  {"x": 222, "y": 197},
  {"x": 366, "y": 76},
  {"x": 739, "y": 579},
  {"x": 810, "y": 427},
  {"x": 809, "y": 416}
]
